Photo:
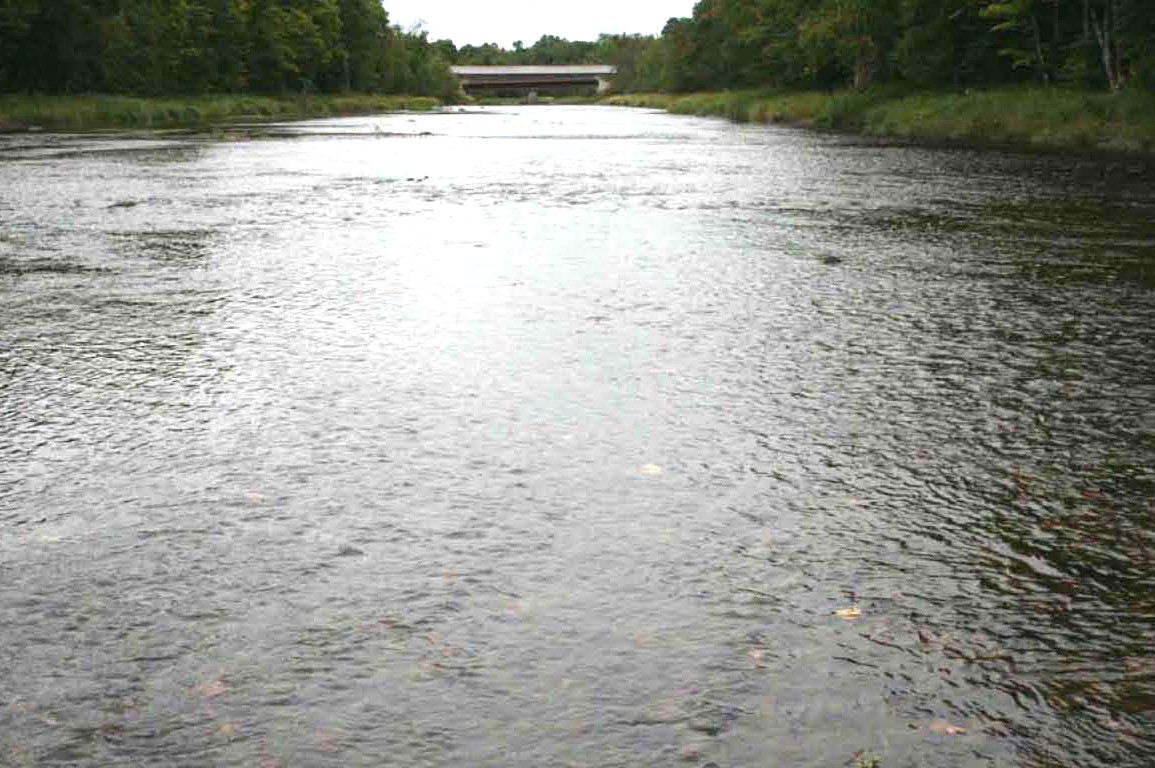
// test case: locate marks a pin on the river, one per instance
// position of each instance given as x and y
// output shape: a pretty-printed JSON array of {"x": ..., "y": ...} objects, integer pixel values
[{"x": 573, "y": 436}]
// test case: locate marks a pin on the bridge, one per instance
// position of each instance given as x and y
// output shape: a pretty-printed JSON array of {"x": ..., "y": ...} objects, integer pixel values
[{"x": 535, "y": 78}]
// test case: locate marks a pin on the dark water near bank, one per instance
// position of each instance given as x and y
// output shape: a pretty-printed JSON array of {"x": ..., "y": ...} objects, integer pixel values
[{"x": 560, "y": 437}]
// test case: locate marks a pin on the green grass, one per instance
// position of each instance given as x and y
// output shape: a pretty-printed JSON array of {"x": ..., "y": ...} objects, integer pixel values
[
  {"x": 826, "y": 110},
  {"x": 1052, "y": 118},
  {"x": 643, "y": 100},
  {"x": 79, "y": 113}
]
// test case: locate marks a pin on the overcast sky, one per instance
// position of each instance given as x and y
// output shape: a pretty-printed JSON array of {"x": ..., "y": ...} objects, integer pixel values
[{"x": 503, "y": 21}]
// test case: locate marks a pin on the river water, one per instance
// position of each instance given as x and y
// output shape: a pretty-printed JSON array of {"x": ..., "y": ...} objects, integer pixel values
[{"x": 573, "y": 437}]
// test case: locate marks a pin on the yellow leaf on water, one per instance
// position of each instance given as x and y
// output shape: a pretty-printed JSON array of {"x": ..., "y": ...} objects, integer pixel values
[
  {"x": 849, "y": 614},
  {"x": 944, "y": 727}
]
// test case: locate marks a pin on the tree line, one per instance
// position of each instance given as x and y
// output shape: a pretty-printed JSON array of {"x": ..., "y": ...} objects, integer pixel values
[
  {"x": 550, "y": 49},
  {"x": 932, "y": 44},
  {"x": 924, "y": 43},
  {"x": 188, "y": 47},
  {"x": 159, "y": 47}
]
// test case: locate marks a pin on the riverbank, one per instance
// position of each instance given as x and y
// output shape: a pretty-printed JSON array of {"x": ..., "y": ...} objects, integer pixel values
[
  {"x": 1051, "y": 119},
  {"x": 80, "y": 113},
  {"x": 542, "y": 101}
]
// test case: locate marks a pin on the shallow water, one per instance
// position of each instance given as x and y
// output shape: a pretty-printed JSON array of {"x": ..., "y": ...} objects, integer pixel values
[{"x": 573, "y": 436}]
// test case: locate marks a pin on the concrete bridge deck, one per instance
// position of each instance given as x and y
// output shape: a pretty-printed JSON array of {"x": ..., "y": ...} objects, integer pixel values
[{"x": 535, "y": 77}]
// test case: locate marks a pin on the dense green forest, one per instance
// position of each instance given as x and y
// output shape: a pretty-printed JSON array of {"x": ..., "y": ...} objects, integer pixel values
[
  {"x": 929, "y": 44},
  {"x": 926, "y": 43},
  {"x": 188, "y": 47}
]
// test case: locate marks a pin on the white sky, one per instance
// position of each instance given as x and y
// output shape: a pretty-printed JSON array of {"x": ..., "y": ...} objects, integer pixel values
[{"x": 503, "y": 21}]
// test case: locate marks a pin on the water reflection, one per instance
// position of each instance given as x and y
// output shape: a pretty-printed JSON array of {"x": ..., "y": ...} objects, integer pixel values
[{"x": 573, "y": 436}]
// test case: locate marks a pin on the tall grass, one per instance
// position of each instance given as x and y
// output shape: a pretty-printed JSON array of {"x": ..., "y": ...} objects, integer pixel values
[
  {"x": 1045, "y": 118},
  {"x": 828, "y": 110},
  {"x": 74, "y": 113},
  {"x": 1049, "y": 118}
]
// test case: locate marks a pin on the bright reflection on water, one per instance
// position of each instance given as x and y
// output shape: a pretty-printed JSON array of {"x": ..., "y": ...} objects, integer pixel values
[{"x": 555, "y": 437}]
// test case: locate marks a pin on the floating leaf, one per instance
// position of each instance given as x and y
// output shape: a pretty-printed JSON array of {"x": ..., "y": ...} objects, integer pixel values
[
  {"x": 111, "y": 730},
  {"x": 945, "y": 728},
  {"x": 329, "y": 742},
  {"x": 690, "y": 753},
  {"x": 213, "y": 690},
  {"x": 849, "y": 614}
]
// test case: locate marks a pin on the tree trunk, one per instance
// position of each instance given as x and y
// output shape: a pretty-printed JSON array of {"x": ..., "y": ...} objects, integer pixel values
[
  {"x": 1116, "y": 48},
  {"x": 1040, "y": 57},
  {"x": 1107, "y": 37},
  {"x": 864, "y": 64}
]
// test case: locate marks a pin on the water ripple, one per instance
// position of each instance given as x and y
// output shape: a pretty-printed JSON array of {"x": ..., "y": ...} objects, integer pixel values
[{"x": 573, "y": 436}]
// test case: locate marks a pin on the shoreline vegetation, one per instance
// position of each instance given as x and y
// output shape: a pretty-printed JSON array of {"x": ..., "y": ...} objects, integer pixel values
[
  {"x": 1049, "y": 119},
  {"x": 1072, "y": 77},
  {"x": 96, "y": 112}
]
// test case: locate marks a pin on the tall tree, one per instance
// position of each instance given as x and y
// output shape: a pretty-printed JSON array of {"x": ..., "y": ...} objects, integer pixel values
[
  {"x": 364, "y": 33},
  {"x": 16, "y": 20},
  {"x": 857, "y": 34}
]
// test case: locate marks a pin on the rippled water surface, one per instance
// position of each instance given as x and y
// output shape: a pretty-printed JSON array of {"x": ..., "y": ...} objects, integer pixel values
[{"x": 573, "y": 437}]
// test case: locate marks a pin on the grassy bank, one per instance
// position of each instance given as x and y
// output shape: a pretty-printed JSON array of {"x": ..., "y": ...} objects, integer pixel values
[
  {"x": 1051, "y": 119},
  {"x": 79, "y": 113}
]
